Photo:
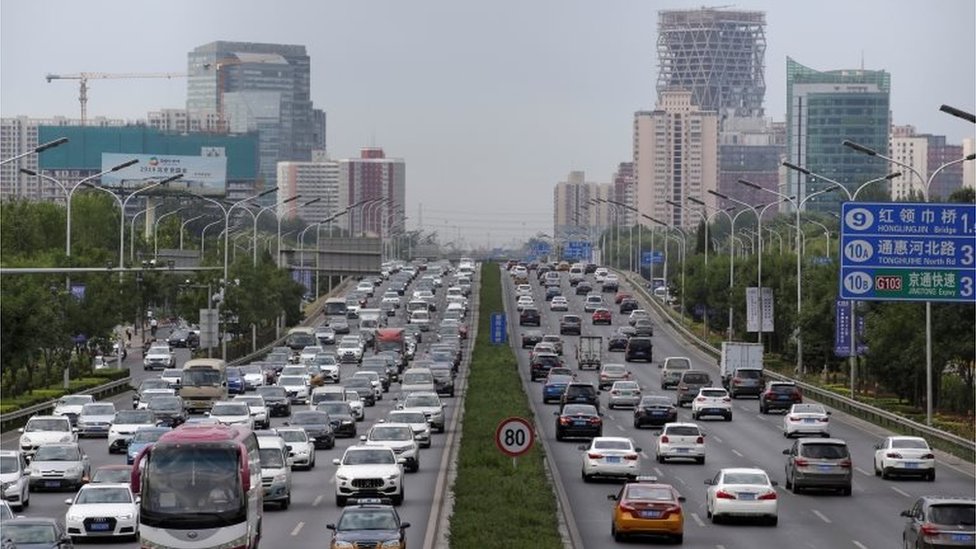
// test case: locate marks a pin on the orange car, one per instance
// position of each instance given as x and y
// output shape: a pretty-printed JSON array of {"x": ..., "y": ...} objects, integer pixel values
[{"x": 645, "y": 507}]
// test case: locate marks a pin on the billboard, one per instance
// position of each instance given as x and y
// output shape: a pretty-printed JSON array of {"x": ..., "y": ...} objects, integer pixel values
[{"x": 204, "y": 175}]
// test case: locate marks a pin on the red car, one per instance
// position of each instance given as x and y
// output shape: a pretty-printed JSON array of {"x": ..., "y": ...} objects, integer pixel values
[
  {"x": 620, "y": 296},
  {"x": 602, "y": 316}
]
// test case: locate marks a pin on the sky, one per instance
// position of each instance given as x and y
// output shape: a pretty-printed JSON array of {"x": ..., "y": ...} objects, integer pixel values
[{"x": 489, "y": 103}]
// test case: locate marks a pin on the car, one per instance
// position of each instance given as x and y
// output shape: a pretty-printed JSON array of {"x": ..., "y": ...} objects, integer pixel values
[
  {"x": 639, "y": 348},
  {"x": 741, "y": 492},
  {"x": 637, "y": 314},
  {"x": 610, "y": 284},
  {"x": 297, "y": 387},
  {"x": 624, "y": 393},
  {"x": 368, "y": 471},
  {"x": 530, "y": 338},
  {"x": 70, "y": 406},
  {"x": 235, "y": 381},
  {"x": 258, "y": 409},
  {"x": 443, "y": 373},
  {"x": 364, "y": 387},
  {"x": 417, "y": 422},
  {"x": 583, "y": 288},
  {"x": 398, "y": 437},
  {"x": 671, "y": 370},
  {"x": 14, "y": 479},
  {"x": 541, "y": 363},
  {"x": 580, "y": 392},
  {"x": 530, "y": 317},
  {"x": 819, "y": 463},
  {"x": 317, "y": 425},
  {"x": 254, "y": 376},
  {"x": 58, "y": 465},
  {"x": 300, "y": 448},
  {"x": 95, "y": 419},
  {"x": 325, "y": 334},
  {"x": 350, "y": 350},
  {"x": 543, "y": 347},
  {"x": 554, "y": 387},
  {"x": 612, "y": 373},
  {"x": 340, "y": 325},
  {"x": 124, "y": 425},
  {"x": 172, "y": 376},
  {"x": 35, "y": 533},
  {"x": 711, "y": 401},
  {"x": 680, "y": 441},
  {"x": 562, "y": 371},
  {"x": 902, "y": 455},
  {"x": 593, "y": 302},
  {"x": 45, "y": 429},
  {"x": 628, "y": 305},
  {"x": 645, "y": 507},
  {"x": 374, "y": 380},
  {"x": 232, "y": 412},
  {"x": 153, "y": 383},
  {"x": 182, "y": 338},
  {"x": 744, "y": 381},
  {"x": 578, "y": 420},
  {"x": 356, "y": 405},
  {"x": 559, "y": 303},
  {"x": 556, "y": 341},
  {"x": 111, "y": 474},
  {"x": 939, "y": 521},
  {"x": 654, "y": 410},
  {"x": 617, "y": 342},
  {"x": 523, "y": 290},
  {"x": 276, "y": 465},
  {"x": 147, "y": 436},
  {"x": 523, "y": 302},
  {"x": 159, "y": 357},
  {"x": 690, "y": 382},
  {"x": 275, "y": 399},
  {"x": 428, "y": 403},
  {"x": 570, "y": 324},
  {"x": 553, "y": 291},
  {"x": 341, "y": 417},
  {"x": 369, "y": 522},
  {"x": 643, "y": 327},
  {"x": 806, "y": 419},
  {"x": 779, "y": 395},
  {"x": 610, "y": 457},
  {"x": 103, "y": 511},
  {"x": 168, "y": 410},
  {"x": 602, "y": 316}
]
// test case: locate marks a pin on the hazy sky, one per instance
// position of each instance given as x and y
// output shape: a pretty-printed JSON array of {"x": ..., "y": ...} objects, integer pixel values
[{"x": 490, "y": 103}]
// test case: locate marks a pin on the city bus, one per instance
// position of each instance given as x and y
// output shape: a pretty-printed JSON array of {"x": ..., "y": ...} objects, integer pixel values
[
  {"x": 203, "y": 382},
  {"x": 200, "y": 488},
  {"x": 335, "y": 306}
]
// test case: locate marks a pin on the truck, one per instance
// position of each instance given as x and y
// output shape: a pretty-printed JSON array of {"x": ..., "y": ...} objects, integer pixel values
[
  {"x": 741, "y": 366},
  {"x": 203, "y": 382},
  {"x": 588, "y": 352}
]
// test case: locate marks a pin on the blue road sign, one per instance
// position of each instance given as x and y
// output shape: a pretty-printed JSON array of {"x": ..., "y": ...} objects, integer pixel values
[
  {"x": 540, "y": 249},
  {"x": 577, "y": 249},
  {"x": 891, "y": 251},
  {"x": 842, "y": 330},
  {"x": 648, "y": 258},
  {"x": 498, "y": 329}
]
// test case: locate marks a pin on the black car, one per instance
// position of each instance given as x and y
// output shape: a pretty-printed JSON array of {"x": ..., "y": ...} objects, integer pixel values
[
  {"x": 368, "y": 522},
  {"x": 639, "y": 348},
  {"x": 530, "y": 317},
  {"x": 541, "y": 364},
  {"x": 340, "y": 416},
  {"x": 578, "y": 420},
  {"x": 570, "y": 324},
  {"x": 36, "y": 533},
  {"x": 579, "y": 392},
  {"x": 530, "y": 338},
  {"x": 168, "y": 411},
  {"x": 362, "y": 386},
  {"x": 779, "y": 395},
  {"x": 317, "y": 425},
  {"x": 589, "y": 268},
  {"x": 443, "y": 378},
  {"x": 654, "y": 410},
  {"x": 628, "y": 304},
  {"x": 552, "y": 291},
  {"x": 183, "y": 338},
  {"x": 276, "y": 400},
  {"x": 584, "y": 288},
  {"x": 617, "y": 342}
]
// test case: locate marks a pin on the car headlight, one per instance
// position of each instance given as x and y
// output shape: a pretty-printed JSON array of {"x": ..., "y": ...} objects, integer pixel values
[
  {"x": 75, "y": 517},
  {"x": 5, "y": 486},
  {"x": 280, "y": 478},
  {"x": 343, "y": 545},
  {"x": 25, "y": 440},
  {"x": 76, "y": 470},
  {"x": 391, "y": 544},
  {"x": 342, "y": 478},
  {"x": 67, "y": 438},
  {"x": 392, "y": 477},
  {"x": 125, "y": 516}
]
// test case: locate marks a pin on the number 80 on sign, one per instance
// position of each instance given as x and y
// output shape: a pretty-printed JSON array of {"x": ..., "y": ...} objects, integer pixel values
[{"x": 514, "y": 436}]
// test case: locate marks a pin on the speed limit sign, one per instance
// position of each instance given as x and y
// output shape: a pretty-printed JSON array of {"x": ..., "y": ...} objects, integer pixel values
[{"x": 514, "y": 436}]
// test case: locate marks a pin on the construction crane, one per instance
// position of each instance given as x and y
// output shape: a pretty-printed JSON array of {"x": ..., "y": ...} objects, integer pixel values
[{"x": 84, "y": 77}]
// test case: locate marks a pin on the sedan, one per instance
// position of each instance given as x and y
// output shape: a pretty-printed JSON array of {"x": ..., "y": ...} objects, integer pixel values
[
  {"x": 741, "y": 492},
  {"x": 570, "y": 324},
  {"x": 554, "y": 387},
  {"x": 806, "y": 419},
  {"x": 627, "y": 305},
  {"x": 112, "y": 474},
  {"x": 232, "y": 413},
  {"x": 613, "y": 457},
  {"x": 617, "y": 342},
  {"x": 681, "y": 441},
  {"x": 530, "y": 338},
  {"x": 578, "y": 420},
  {"x": 147, "y": 436},
  {"x": 559, "y": 303},
  {"x": 624, "y": 393},
  {"x": 317, "y": 425},
  {"x": 645, "y": 507},
  {"x": 35, "y": 533},
  {"x": 654, "y": 410},
  {"x": 103, "y": 510},
  {"x": 611, "y": 373},
  {"x": 56, "y": 465},
  {"x": 340, "y": 417},
  {"x": 643, "y": 327},
  {"x": 904, "y": 456},
  {"x": 602, "y": 316},
  {"x": 300, "y": 448}
]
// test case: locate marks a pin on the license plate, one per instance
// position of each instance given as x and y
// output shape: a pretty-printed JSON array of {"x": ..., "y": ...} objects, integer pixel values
[
  {"x": 912, "y": 465},
  {"x": 52, "y": 484},
  {"x": 809, "y": 420},
  {"x": 682, "y": 450},
  {"x": 747, "y": 496},
  {"x": 613, "y": 459},
  {"x": 650, "y": 514},
  {"x": 825, "y": 467},
  {"x": 579, "y": 423},
  {"x": 98, "y": 526},
  {"x": 657, "y": 413},
  {"x": 783, "y": 397},
  {"x": 962, "y": 537}
]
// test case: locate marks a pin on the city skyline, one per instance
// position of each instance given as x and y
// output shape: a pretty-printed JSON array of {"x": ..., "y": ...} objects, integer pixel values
[{"x": 500, "y": 100}]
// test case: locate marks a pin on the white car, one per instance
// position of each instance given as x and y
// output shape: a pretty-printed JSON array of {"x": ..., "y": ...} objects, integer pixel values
[
  {"x": 421, "y": 319},
  {"x": 368, "y": 470},
  {"x": 365, "y": 287},
  {"x": 392, "y": 298},
  {"x": 559, "y": 303},
  {"x": 44, "y": 429},
  {"x": 302, "y": 449},
  {"x": 328, "y": 366},
  {"x": 741, "y": 492},
  {"x": 681, "y": 441},
  {"x": 899, "y": 455},
  {"x": 232, "y": 412},
  {"x": 149, "y": 394},
  {"x": 806, "y": 419},
  {"x": 14, "y": 479},
  {"x": 374, "y": 381},
  {"x": 125, "y": 424},
  {"x": 610, "y": 457},
  {"x": 417, "y": 421},
  {"x": 523, "y": 302},
  {"x": 624, "y": 393},
  {"x": 259, "y": 410},
  {"x": 276, "y": 467},
  {"x": 712, "y": 401},
  {"x": 600, "y": 274},
  {"x": 96, "y": 419},
  {"x": 523, "y": 289},
  {"x": 593, "y": 302},
  {"x": 70, "y": 406},
  {"x": 308, "y": 354},
  {"x": 356, "y": 405},
  {"x": 296, "y": 387},
  {"x": 326, "y": 335},
  {"x": 173, "y": 376},
  {"x": 399, "y": 438},
  {"x": 428, "y": 403},
  {"x": 636, "y": 315},
  {"x": 159, "y": 357},
  {"x": 349, "y": 351},
  {"x": 253, "y": 376},
  {"x": 104, "y": 504}
]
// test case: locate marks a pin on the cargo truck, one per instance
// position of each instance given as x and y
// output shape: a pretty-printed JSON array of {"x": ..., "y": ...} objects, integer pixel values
[
  {"x": 741, "y": 366},
  {"x": 589, "y": 352}
]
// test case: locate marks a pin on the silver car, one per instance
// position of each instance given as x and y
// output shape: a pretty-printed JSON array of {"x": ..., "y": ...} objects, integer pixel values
[
  {"x": 60, "y": 465},
  {"x": 96, "y": 419},
  {"x": 14, "y": 477},
  {"x": 624, "y": 393}
]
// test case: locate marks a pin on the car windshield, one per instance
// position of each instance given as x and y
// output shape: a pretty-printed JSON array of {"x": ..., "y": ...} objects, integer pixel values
[
  {"x": 656, "y": 401},
  {"x": 155, "y": 383},
  {"x": 614, "y": 369},
  {"x": 104, "y": 495},
  {"x": 679, "y": 364},
  {"x": 134, "y": 417},
  {"x": 369, "y": 457},
  {"x": 291, "y": 380},
  {"x": 649, "y": 493},
  {"x": 416, "y": 378},
  {"x": 626, "y": 386},
  {"x": 251, "y": 401},
  {"x": 9, "y": 464},
  {"x": 29, "y": 533},
  {"x": 611, "y": 445},
  {"x": 201, "y": 378},
  {"x": 111, "y": 475},
  {"x": 57, "y": 453},
  {"x": 408, "y": 417},
  {"x": 808, "y": 409},
  {"x": 98, "y": 410},
  {"x": 159, "y": 349},
  {"x": 824, "y": 451},
  {"x": 421, "y": 401},
  {"x": 910, "y": 443},
  {"x": 310, "y": 418},
  {"x": 960, "y": 514},
  {"x": 35, "y": 425},
  {"x": 295, "y": 435},
  {"x": 391, "y": 433},
  {"x": 559, "y": 379},
  {"x": 271, "y": 458},
  {"x": 683, "y": 430},
  {"x": 367, "y": 519},
  {"x": 782, "y": 387},
  {"x": 746, "y": 478},
  {"x": 713, "y": 393},
  {"x": 748, "y": 374},
  {"x": 267, "y": 392},
  {"x": 579, "y": 410},
  {"x": 147, "y": 435},
  {"x": 694, "y": 378},
  {"x": 228, "y": 409},
  {"x": 165, "y": 405},
  {"x": 251, "y": 369},
  {"x": 75, "y": 400}
]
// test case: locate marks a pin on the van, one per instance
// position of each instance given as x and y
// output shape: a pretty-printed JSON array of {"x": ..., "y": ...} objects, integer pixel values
[
  {"x": 639, "y": 348},
  {"x": 689, "y": 383},
  {"x": 575, "y": 275},
  {"x": 276, "y": 462},
  {"x": 672, "y": 368}
]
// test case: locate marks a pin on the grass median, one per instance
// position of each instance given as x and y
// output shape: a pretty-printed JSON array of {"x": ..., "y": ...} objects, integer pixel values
[{"x": 497, "y": 504}]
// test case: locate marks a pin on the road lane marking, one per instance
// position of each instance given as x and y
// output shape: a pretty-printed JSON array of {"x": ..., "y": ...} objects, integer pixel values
[
  {"x": 900, "y": 491},
  {"x": 297, "y": 529},
  {"x": 681, "y": 480},
  {"x": 621, "y": 427},
  {"x": 698, "y": 519},
  {"x": 858, "y": 544},
  {"x": 644, "y": 455},
  {"x": 736, "y": 452},
  {"x": 862, "y": 471},
  {"x": 821, "y": 515},
  {"x": 318, "y": 500},
  {"x": 718, "y": 440},
  {"x": 659, "y": 472}
]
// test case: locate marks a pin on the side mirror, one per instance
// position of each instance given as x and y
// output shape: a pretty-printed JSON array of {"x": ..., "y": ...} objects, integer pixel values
[
  {"x": 659, "y": 365},
  {"x": 401, "y": 460},
  {"x": 285, "y": 424},
  {"x": 709, "y": 482},
  {"x": 582, "y": 447},
  {"x": 681, "y": 499},
  {"x": 330, "y": 527},
  {"x": 207, "y": 414},
  {"x": 335, "y": 461},
  {"x": 786, "y": 452},
  {"x": 138, "y": 499},
  {"x": 774, "y": 483},
  {"x": 612, "y": 497},
  {"x": 67, "y": 501},
  {"x": 362, "y": 438},
  {"x": 288, "y": 447},
  {"x": 404, "y": 525},
  {"x": 638, "y": 449},
  {"x": 828, "y": 412},
  {"x": 877, "y": 446},
  {"x": 21, "y": 430},
  {"x": 555, "y": 413},
  {"x": 906, "y": 514}
]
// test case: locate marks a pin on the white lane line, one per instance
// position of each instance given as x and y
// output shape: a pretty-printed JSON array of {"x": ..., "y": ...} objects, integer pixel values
[
  {"x": 900, "y": 491},
  {"x": 760, "y": 417},
  {"x": 719, "y": 547},
  {"x": 821, "y": 515},
  {"x": 862, "y": 471},
  {"x": 297, "y": 529},
  {"x": 736, "y": 452},
  {"x": 621, "y": 427},
  {"x": 698, "y": 519},
  {"x": 659, "y": 472},
  {"x": 644, "y": 455},
  {"x": 858, "y": 544},
  {"x": 716, "y": 439},
  {"x": 681, "y": 480},
  {"x": 318, "y": 500}
]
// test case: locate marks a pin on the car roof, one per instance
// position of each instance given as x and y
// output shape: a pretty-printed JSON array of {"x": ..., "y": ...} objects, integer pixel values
[
  {"x": 835, "y": 441},
  {"x": 612, "y": 439},
  {"x": 727, "y": 470}
]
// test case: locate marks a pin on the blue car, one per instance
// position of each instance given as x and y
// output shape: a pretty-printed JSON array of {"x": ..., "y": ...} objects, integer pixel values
[
  {"x": 146, "y": 436},
  {"x": 554, "y": 387},
  {"x": 235, "y": 381}
]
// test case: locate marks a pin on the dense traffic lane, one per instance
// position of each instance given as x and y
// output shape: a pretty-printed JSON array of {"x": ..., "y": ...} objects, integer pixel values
[{"x": 869, "y": 518}]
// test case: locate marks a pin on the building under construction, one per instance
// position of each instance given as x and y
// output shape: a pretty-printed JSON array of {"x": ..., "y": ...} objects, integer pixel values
[{"x": 717, "y": 55}]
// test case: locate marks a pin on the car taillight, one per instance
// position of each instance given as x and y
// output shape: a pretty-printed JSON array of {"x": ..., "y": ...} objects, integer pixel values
[
  {"x": 928, "y": 456},
  {"x": 592, "y": 455},
  {"x": 768, "y": 495},
  {"x": 928, "y": 529},
  {"x": 631, "y": 457},
  {"x": 700, "y": 440},
  {"x": 683, "y": 387},
  {"x": 736, "y": 381},
  {"x": 614, "y": 392},
  {"x": 726, "y": 399},
  {"x": 628, "y": 508},
  {"x": 665, "y": 439},
  {"x": 722, "y": 494},
  {"x": 700, "y": 399},
  {"x": 893, "y": 455},
  {"x": 595, "y": 421},
  {"x": 794, "y": 418},
  {"x": 822, "y": 419},
  {"x": 800, "y": 462},
  {"x": 671, "y": 511},
  {"x": 564, "y": 421},
  {"x": 846, "y": 464}
]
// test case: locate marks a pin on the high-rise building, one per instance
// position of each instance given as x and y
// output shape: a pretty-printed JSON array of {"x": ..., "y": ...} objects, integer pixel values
[
  {"x": 624, "y": 190},
  {"x": 675, "y": 157},
  {"x": 318, "y": 179},
  {"x": 717, "y": 55},
  {"x": 182, "y": 121},
  {"x": 750, "y": 149},
  {"x": 376, "y": 186},
  {"x": 575, "y": 215},
  {"x": 823, "y": 109}
]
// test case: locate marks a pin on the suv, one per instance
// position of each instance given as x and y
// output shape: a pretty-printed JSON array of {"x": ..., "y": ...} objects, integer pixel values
[
  {"x": 368, "y": 471},
  {"x": 779, "y": 395},
  {"x": 45, "y": 429},
  {"x": 530, "y": 338},
  {"x": 530, "y": 316},
  {"x": 672, "y": 368},
  {"x": 570, "y": 324},
  {"x": 399, "y": 438},
  {"x": 745, "y": 381},
  {"x": 579, "y": 392},
  {"x": 275, "y": 470},
  {"x": 541, "y": 364},
  {"x": 819, "y": 463},
  {"x": 70, "y": 406},
  {"x": 937, "y": 520},
  {"x": 639, "y": 348},
  {"x": 593, "y": 302},
  {"x": 690, "y": 382}
]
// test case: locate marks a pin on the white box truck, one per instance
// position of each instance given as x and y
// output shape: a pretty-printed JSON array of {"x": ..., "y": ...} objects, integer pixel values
[{"x": 741, "y": 365}]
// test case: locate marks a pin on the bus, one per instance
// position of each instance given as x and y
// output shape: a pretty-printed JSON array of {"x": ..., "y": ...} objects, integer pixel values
[
  {"x": 200, "y": 488},
  {"x": 335, "y": 306},
  {"x": 300, "y": 337},
  {"x": 203, "y": 382}
]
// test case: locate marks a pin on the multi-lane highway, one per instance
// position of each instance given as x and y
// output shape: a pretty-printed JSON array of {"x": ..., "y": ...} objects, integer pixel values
[
  {"x": 869, "y": 518},
  {"x": 302, "y": 525}
]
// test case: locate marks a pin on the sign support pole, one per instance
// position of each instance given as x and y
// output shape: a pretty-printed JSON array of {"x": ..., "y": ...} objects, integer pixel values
[{"x": 853, "y": 346}]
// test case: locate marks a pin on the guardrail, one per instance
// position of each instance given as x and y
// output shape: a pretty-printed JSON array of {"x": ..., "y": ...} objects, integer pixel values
[{"x": 956, "y": 445}]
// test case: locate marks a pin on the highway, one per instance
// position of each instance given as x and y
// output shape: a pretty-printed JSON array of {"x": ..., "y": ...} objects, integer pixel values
[
  {"x": 817, "y": 520},
  {"x": 302, "y": 525}
]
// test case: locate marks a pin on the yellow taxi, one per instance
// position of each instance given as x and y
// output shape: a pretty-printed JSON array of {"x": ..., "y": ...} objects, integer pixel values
[{"x": 645, "y": 507}]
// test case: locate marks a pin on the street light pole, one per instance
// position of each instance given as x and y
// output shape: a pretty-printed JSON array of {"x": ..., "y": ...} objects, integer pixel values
[
  {"x": 156, "y": 229},
  {"x": 258, "y": 215},
  {"x": 36, "y": 150},
  {"x": 310, "y": 202},
  {"x": 184, "y": 224}
]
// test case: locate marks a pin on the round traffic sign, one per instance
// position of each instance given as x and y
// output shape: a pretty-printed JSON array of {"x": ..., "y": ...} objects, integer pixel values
[{"x": 514, "y": 436}]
